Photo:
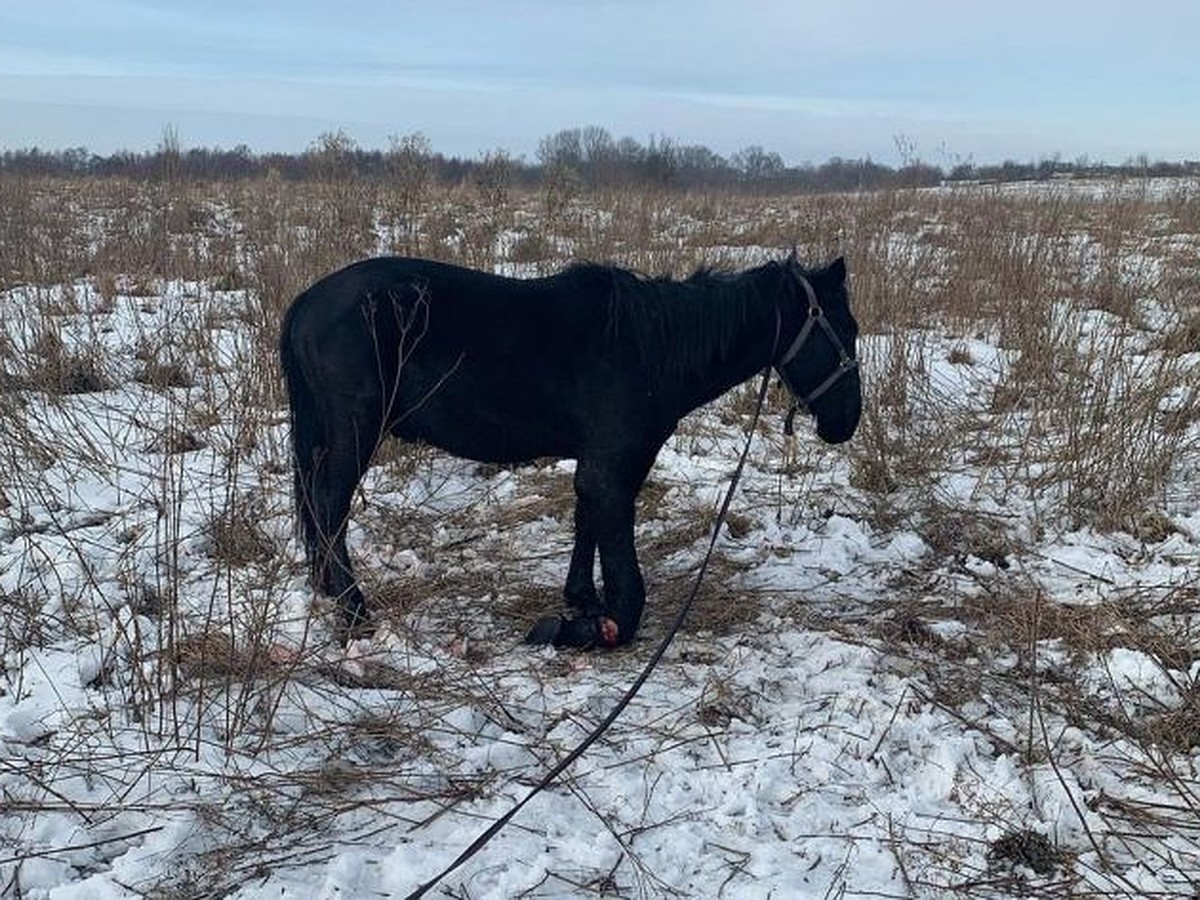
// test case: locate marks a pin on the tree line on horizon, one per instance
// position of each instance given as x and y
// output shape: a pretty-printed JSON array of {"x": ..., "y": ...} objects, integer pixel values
[{"x": 588, "y": 157}]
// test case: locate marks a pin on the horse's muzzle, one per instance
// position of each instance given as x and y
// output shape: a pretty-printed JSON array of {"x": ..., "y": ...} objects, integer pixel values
[
  {"x": 836, "y": 434},
  {"x": 838, "y": 412}
]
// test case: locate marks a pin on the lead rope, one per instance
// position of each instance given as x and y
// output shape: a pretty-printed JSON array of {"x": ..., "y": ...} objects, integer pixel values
[{"x": 492, "y": 830}]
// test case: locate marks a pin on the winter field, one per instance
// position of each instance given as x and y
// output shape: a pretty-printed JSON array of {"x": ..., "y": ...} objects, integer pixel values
[{"x": 957, "y": 657}]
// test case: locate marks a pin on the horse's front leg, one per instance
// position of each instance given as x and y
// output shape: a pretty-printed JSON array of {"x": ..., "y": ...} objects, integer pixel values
[
  {"x": 580, "y": 590},
  {"x": 604, "y": 519},
  {"x": 579, "y": 594}
]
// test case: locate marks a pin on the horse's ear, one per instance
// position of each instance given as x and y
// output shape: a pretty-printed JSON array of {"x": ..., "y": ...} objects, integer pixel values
[
  {"x": 792, "y": 260},
  {"x": 837, "y": 269}
]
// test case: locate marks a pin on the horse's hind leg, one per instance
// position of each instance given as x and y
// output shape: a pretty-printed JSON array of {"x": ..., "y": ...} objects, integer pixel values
[{"x": 342, "y": 464}]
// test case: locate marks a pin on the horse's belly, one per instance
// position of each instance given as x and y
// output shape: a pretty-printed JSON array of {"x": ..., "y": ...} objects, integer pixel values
[
  {"x": 486, "y": 440},
  {"x": 492, "y": 413}
]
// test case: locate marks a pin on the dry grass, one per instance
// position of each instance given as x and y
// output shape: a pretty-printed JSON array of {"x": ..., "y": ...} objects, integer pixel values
[{"x": 1087, "y": 414}]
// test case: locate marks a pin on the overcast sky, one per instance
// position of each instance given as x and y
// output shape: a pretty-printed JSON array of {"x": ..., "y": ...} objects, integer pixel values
[{"x": 957, "y": 79}]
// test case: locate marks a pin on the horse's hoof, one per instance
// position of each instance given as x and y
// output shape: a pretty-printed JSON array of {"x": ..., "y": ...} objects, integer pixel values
[
  {"x": 583, "y": 632},
  {"x": 545, "y": 631}
]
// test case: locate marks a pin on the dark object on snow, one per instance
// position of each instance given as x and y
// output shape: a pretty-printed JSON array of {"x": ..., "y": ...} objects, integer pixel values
[
  {"x": 1026, "y": 848},
  {"x": 595, "y": 363}
]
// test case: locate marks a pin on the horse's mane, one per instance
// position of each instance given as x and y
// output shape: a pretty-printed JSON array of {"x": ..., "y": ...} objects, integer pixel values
[{"x": 678, "y": 326}]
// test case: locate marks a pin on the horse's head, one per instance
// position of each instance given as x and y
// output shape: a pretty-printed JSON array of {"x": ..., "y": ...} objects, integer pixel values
[{"x": 818, "y": 362}]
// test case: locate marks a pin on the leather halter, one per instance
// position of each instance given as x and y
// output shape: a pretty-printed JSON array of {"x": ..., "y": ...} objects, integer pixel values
[{"x": 816, "y": 318}]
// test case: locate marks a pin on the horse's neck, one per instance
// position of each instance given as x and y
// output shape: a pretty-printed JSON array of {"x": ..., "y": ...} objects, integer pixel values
[{"x": 749, "y": 350}]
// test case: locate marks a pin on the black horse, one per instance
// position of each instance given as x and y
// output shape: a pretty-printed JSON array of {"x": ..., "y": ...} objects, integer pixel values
[{"x": 595, "y": 363}]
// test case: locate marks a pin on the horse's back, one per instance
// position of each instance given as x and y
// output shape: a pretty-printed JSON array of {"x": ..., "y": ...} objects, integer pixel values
[
  {"x": 567, "y": 306},
  {"x": 484, "y": 366}
]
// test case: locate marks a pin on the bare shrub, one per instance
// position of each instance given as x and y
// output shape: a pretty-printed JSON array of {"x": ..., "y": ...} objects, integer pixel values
[
  {"x": 238, "y": 538},
  {"x": 1111, "y": 443},
  {"x": 561, "y": 186},
  {"x": 64, "y": 371},
  {"x": 406, "y": 197}
]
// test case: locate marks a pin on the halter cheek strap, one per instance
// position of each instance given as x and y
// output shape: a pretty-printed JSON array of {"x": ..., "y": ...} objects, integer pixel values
[{"x": 814, "y": 313}]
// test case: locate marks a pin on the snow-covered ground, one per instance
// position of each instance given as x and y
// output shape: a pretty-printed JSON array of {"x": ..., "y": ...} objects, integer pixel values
[{"x": 863, "y": 703}]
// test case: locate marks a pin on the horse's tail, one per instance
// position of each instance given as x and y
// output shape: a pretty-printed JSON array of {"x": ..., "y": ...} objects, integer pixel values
[{"x": 307, "y": 428}]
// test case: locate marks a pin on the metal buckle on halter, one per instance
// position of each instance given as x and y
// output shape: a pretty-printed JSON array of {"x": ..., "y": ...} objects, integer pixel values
[{"x": 815, "y": 314}]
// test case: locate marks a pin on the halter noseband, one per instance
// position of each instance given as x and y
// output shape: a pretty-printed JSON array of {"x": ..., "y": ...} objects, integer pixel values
[{"x": 816, "y": 317}]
